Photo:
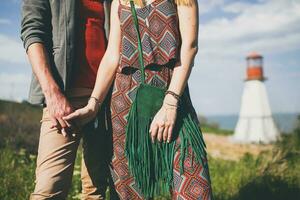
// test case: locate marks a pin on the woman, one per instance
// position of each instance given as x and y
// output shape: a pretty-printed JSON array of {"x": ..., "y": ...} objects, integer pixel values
[{"x": 169, "y": 32}]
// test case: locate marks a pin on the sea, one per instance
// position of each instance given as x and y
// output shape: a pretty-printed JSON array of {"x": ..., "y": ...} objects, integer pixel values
[{"x": 286, "y": 122}]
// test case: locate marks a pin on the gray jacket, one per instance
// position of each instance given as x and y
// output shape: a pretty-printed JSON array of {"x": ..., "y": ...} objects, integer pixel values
[{"x": 53, "y": 23}]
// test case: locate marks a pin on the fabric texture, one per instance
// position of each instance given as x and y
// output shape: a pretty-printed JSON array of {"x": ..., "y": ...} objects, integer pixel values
[
  {"x": 159, "y": 32},
  {"x": 91, "y": 43}
]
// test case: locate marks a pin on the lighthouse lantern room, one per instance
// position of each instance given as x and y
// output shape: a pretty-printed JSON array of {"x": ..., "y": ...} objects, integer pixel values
[{"x": 255, "y": 67}]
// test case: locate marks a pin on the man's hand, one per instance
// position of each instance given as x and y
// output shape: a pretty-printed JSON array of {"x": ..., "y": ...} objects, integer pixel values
[
  {"x": 58, "y": 107},
  {"x": 57, "y": 103}
]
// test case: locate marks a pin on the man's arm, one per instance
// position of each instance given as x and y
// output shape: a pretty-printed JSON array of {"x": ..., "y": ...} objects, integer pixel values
[
  {"x": 57, "y": 104},
  {"x": 36, "y": 34},
  {"x": 36, "y": 22}
]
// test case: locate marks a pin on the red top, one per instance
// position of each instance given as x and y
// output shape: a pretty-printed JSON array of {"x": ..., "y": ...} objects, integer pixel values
[{"x": 91, "y": 43}]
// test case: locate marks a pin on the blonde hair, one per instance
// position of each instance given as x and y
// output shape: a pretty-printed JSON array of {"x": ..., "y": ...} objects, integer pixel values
[{"x": 178, "y": 2}]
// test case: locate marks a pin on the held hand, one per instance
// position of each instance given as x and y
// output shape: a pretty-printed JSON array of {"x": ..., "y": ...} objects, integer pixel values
[
  {"x": 163, "y": 123},
  {"x": 58, "y": 107},
  {"x": 84, "y": 115}
]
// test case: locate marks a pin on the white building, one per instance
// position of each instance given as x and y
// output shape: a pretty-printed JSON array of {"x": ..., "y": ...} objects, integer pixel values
[{"x": 255, "y": 124}]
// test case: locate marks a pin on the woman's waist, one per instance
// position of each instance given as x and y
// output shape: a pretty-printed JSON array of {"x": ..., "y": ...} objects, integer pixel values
[{"x": 150, "y": 64}]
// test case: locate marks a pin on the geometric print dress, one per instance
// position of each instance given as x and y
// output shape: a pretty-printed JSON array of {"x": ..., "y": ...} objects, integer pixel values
[{"x": 160, "y": 38}]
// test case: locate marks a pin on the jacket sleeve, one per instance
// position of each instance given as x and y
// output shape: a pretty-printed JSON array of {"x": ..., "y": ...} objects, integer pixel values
[{"x": 36, "y": 22}]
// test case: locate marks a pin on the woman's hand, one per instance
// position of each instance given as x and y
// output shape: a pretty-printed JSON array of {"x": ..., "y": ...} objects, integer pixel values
[
  {"x": 84, "y": 115},
  {"x": 163, "y": 123}
]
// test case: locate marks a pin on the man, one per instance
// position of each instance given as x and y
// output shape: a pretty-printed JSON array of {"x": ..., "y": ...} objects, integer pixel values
[{"x": 65, "y": 41}]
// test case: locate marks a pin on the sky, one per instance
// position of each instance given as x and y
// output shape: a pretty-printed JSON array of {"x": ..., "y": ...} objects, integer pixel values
[{"x": 228, "y": 31}]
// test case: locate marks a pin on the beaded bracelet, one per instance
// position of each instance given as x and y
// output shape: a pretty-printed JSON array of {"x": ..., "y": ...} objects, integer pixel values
[{"x": 176, "y": 96}]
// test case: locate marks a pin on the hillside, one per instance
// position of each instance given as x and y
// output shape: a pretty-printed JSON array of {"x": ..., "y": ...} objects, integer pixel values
[
  {"x": 20, "y": 128},
  {"x": 19, "y": 125}
]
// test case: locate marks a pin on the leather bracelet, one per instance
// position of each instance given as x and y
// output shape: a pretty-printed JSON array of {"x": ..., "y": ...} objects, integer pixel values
[{"x": 176, "y": 96}]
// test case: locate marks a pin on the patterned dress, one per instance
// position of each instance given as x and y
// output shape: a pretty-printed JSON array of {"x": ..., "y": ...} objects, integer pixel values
[{"x": 160, "y": 37}]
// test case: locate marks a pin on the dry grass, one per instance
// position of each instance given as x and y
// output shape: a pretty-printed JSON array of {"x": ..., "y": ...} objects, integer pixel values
[{"x": 222, "y": 147}]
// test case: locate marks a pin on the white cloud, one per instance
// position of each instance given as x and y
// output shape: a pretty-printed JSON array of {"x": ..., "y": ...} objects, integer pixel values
[
  {"x": 11, "y": 50},
  {"x": 12, "y": 86},
  {"x": 237, "y": 7},
  {"x": 268, "y": 27},
  {"x": 208, "y": 5}
]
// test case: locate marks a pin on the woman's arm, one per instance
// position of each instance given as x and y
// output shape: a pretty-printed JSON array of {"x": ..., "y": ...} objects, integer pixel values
[
  {"x": 163, "y": 123},
  {"x": 188, "y": 26},
  {"x": 110, "y": 60},
  {"x": 106, "y": 71}
]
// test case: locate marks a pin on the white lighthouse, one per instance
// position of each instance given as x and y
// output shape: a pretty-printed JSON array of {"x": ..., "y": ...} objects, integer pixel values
[{"x": 255, "y": 124}]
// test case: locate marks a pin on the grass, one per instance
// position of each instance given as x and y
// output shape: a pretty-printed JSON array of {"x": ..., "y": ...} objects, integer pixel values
[
  {"x": 273, "y": 175},
  {"x": 249, "y": 179},
  {"x": 208, "y": 129},
  {"x": 19, "y": 125},
  {"x": 16, "y": 174}
]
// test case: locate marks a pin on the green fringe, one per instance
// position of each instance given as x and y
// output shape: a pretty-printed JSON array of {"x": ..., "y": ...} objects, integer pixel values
[{"x": 151, "y": 164}]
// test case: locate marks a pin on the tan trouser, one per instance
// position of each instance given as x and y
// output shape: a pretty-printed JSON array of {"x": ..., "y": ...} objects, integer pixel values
[{"x": 56, "y": 157}]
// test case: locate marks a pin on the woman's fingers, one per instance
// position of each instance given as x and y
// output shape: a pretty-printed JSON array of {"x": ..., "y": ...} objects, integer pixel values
[
  {"x": 165, "y": 133},
  {"x": 153, "y": 132},
  {"x": 160, "y": 132},
  {"x": 162, "y": 125},
  {"x": 68, "y": 124},
  {"x": 170, "y": 130},
  {"x": 73, "y": 115}
]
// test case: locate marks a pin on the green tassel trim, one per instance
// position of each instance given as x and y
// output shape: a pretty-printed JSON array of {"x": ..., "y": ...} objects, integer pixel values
[{"x": 151, "y": 164}]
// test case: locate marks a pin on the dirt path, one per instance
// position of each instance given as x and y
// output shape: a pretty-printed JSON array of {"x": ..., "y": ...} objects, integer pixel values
[{"x": 220, "y": 146}]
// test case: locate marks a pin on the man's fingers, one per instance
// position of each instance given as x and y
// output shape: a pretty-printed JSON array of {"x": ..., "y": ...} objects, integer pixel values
[
  {"x": 54, "y": 123},
  {"x": 62, "y": 123},
  {"x": 63, "y": 126},
  {"x": 64, "y": 132}
]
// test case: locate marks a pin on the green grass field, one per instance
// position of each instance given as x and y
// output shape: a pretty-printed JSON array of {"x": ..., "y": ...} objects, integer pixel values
[{"x": 273, "y": 175}]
